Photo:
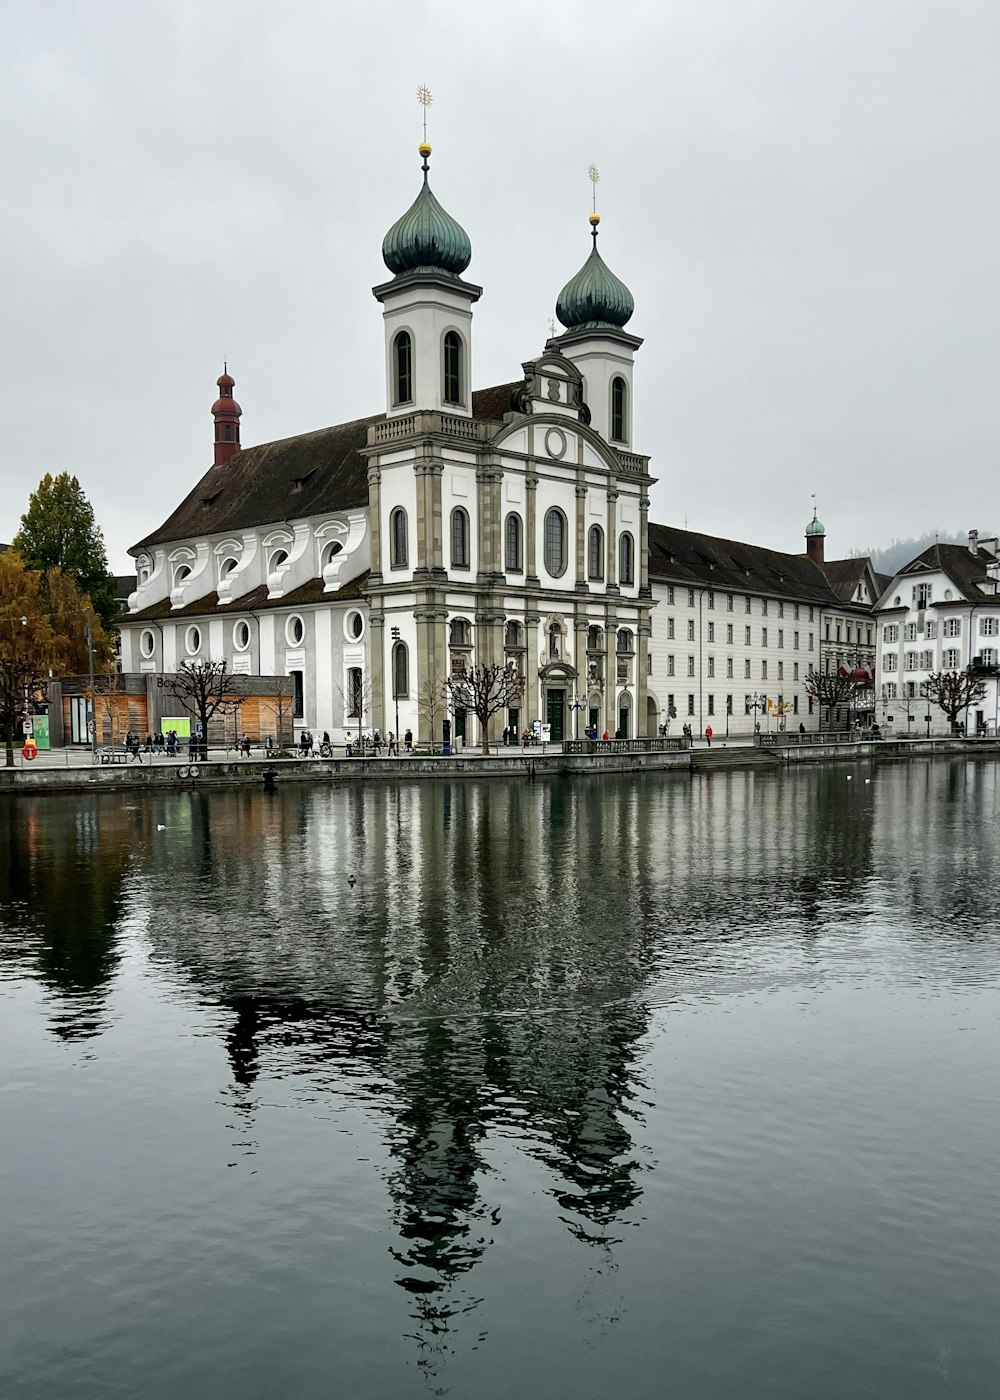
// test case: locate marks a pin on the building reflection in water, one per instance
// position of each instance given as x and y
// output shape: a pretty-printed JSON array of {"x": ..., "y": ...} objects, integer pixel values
[{"x": 492, "y": 972}]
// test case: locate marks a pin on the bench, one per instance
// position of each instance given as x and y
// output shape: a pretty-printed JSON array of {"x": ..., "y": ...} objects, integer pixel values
[{"x": 114, "y": 756}]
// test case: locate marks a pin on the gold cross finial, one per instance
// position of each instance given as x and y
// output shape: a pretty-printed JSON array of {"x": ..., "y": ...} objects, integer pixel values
[
  {"x": 425, "y": 99},
  {"x": 593, "y": 175}
]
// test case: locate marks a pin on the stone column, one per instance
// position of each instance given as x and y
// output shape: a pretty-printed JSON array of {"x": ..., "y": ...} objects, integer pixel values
[
  {"x": 425, "y": 469},
  {"x": 488, "y": 524},
  {"x": 612, "y": 541},
  {"x": 644, "y": 589},
  {"x": 644, "y": 631},
  {"x": 581, "y": 536},
  {"x": 531, "y": 707},
  {"x": 376, "y": 661},
  {"x": 375, "y": 523},
  {"x": 531, "y": 569}
]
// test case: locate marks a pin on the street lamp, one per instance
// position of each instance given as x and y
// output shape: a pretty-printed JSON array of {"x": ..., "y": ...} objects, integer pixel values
[
  {"x": 756, "y": 703},
  {"x": 576, "y": 704},
  {"x": 395, "y": 684}
]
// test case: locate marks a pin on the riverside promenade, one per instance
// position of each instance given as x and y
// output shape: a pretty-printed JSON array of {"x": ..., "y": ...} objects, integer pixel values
[{"x": 70, "y": 770}]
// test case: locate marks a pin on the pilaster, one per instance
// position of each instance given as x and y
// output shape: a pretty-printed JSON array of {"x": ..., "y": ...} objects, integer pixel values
[
  {"x": 375, "y": 523},
  {"x": 531, "y": 568},
  {"x": 612, "y": 561},
  {"x": 532, "y": 623},
  {"x": 581, "y": 536},
  {"x": 644, "y": 588},
  {"x": 644, "y": 631}
]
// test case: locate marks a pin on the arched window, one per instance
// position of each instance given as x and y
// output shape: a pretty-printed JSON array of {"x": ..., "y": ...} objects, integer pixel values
[
  {"x": 332, "y": 551},
  {"x": 513, "y": 543},
  {"x": 402, "y": 368},
  {"x": 182, "y": 572},
  {"x": 512, "y": 635},
  {"x": 555, "y": 542},
  {"x": 400, "y": 671},
  {"x": 279, "y": 557},
  {"x": 595, "y": 552},
  {"x": 453, "y": 367},
  {"x": 594, "y": 639},
  {"x": 226, "y": 567},
  {"x": 459, "y": 632},
  {"x": 626, "y": 559},
  {"x": 619, "y": 409},
  {"x": 229, "y": 432},
  {"x": 624, "y": 639},
  {"x": 397, "y": 538},
  {"x": 459, "y": 539}
]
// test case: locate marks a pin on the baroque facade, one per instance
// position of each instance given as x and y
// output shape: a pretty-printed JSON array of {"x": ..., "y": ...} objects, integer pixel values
[{"x": 369, "y": 561}]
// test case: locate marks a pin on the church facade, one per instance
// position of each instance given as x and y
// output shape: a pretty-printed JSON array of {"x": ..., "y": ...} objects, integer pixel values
[{"x": 369, "y": 561}]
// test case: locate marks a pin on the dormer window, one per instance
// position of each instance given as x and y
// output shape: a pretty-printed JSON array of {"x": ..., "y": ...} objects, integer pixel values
[
  {"x": 402, "y": 368},
  {"x": 279, "y": 557},
  {"x": 452, "y": 368},
  {"x": 619, "y": 409}
]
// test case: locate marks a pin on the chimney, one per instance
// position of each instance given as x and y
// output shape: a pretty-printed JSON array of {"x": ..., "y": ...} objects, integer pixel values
[
  {"x": 973, "y": 541},
  {"x": 227, "y": 413}
]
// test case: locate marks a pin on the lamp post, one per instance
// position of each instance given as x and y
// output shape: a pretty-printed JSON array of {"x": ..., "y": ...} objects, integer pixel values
[
  {"x": 91, "y": 707},
  {"x": 576, "y": 704},
  {"x": 395, "y": 686},
  {"x": 757, "y": 703}
]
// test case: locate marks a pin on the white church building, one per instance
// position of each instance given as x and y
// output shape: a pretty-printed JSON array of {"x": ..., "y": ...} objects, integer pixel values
[{"x": 370, "y": 560}]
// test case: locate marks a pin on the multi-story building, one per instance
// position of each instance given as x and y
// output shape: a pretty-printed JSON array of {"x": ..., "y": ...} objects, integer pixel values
[
  {"x": 849, "y": 632},
  {"x": 939, "y": 613},
  {"x": 736, "y": 630}
]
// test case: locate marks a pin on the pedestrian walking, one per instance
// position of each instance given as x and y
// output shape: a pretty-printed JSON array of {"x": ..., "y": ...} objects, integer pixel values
[
  {"x": 408, "y": 740},
  {"x": 708, "y": 735},
  {"x": 392, "y": 745}
]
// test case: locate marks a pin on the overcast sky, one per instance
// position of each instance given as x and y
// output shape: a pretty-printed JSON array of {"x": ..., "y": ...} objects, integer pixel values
[{"x": 801, "y": 194}]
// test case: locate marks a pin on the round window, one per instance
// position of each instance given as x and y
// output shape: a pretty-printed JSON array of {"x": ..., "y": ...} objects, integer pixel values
[
  {"x": 355, "y": 625},
  {"x": 294, "y": 631},
  {"x": 147, "y": 643},
  {"x": 192, "y": 641},
  {"x": 241, "y": 635}
]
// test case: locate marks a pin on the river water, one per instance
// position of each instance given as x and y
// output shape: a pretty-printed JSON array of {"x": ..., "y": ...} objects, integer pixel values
[{"x": 632, "y": 1087}]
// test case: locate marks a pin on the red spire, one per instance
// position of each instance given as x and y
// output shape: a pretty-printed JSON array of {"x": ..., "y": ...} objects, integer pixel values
[{"x": 227, "y": 414}]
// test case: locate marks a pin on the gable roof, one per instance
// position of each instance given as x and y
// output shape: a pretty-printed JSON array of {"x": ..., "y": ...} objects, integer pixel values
[
  {"x": 844, "y": 575},
  {"x": 709, "y": 562},
  {"x": 965, "y": 569},
  {"x": 313, "y": 473}
]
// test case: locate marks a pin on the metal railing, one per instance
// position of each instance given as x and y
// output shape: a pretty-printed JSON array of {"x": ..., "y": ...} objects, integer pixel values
[{"x": 595, "y": 746}]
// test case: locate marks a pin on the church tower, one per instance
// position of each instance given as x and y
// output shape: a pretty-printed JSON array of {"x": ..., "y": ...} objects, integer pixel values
[
  {"x": 595, "y": 306},
  {"x": 427, "y": 308},
  {"x": 227, "y": 413},
  {"x": 815, "y": 539}
]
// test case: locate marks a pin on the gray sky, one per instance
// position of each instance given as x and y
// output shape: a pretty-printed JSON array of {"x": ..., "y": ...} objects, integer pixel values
[{"x": 801, "y": 195}]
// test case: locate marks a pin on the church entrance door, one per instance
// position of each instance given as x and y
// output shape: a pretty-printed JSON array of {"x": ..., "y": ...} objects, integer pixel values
[{"x": 555, "y": 714}]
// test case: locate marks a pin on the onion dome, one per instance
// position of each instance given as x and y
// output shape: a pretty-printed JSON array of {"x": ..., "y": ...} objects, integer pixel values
[
  {"x": 225, "y": 403},
  {"x": 815, "y": 527},
  {"x": 426, "y": 238},
  {"x": 595, "y": 297}
]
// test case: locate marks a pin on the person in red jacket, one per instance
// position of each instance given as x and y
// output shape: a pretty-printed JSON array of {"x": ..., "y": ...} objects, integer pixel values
[{"x": 708, "y": 735}]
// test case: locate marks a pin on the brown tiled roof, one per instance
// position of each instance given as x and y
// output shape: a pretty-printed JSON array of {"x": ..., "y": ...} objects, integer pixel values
[
  {"x": 255, "y": 601},
  {"x": 311, "y": 474},
  {"x": 965, "y": 569},
  {"x": 844, "y": 575},
  {"x": 682, "y": 556}
]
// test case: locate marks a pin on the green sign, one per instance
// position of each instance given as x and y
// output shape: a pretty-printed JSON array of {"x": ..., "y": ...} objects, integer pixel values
[
  {"x": 181, "y": 726},
  {"x": 40, "y": 725}
]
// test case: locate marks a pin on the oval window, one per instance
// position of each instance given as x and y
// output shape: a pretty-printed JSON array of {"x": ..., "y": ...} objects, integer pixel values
[
  {"x": 147, "y": 643},
  {"x": 355, "y": 625},
  {"x": 192, "y": 641},
  {"x": 294, "y": 631},
  {"x": 241, "y": 635}
]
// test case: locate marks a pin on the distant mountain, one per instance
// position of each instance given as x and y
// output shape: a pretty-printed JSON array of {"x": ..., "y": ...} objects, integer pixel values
[{"x": 893, "y": 556}]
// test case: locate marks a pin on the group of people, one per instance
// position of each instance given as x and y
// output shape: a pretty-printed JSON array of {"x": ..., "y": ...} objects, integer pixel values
[
  {"x": 376, "y": 743},
  {"x": 136, "y": 746}
]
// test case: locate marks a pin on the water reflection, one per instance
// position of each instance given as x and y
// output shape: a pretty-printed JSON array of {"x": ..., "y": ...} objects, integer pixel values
[{"x": 491, "y": 975}]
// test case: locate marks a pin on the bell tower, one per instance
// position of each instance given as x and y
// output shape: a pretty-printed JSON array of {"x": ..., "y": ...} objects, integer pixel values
[{"x": 227, "y": 413}]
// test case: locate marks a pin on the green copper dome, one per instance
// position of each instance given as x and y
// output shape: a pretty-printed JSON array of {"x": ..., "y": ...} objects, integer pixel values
[
  {"x": 426, "y": 238},
  {"x": 595, "y": 297},
  {"x": 815, "y": 527}
]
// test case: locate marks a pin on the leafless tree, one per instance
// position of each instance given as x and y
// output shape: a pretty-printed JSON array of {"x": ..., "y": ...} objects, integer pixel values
[
  {"x": 954, "y": 691},
  {"x": 485, "y": 690},
  {"x": 830, "y": 690},
  {"x": 357, "y": 700},
  {"x": 108, "y": 687},
  {"x": 433, "y": 700},
  {"x": 206, "y": 689}
]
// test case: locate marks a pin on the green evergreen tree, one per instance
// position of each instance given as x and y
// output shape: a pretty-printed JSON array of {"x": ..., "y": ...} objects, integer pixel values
[{"x": 58, "y": 531}]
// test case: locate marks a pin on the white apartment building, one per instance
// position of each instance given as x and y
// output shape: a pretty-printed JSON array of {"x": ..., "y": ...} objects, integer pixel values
[{"x": 939, "y": 613}]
